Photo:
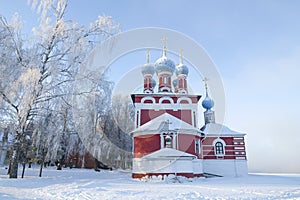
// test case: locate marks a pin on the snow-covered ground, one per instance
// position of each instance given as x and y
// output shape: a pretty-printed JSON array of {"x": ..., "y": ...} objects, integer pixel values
[{"x": 88, "y": 184}]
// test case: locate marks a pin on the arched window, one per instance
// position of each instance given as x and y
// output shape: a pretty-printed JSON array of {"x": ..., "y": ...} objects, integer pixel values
[
  {"x": 165, "y": 80},
  {"x": 219, "y": 148}
]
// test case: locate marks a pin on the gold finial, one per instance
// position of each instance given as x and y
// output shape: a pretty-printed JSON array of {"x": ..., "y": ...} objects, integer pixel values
[
  {"x": 148, "y": 55},
  {"x": 205, "y": 81},
  {"x": 164, "y": 40},
  {"x": 180, "y": 56}
]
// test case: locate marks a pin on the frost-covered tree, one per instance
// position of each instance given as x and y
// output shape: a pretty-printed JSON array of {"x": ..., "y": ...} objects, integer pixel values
[
  {"x": 123, "y": 112},
  {"x": 36, "y": 71}
]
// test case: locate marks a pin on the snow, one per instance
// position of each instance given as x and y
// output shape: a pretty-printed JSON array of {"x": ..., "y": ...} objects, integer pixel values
[
  {"x": 118, "y": 184},
  {"x": 211, "y": 129},
  {"x": 169, "y": 152},
  {"x": 156, "y": 124}
]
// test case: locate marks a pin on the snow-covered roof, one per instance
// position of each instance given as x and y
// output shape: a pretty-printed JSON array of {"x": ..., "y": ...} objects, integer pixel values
[
  {"x": 219, "y": 129},
  {"x": 168, "y": 153},
  {"x": 162, "y": 123}
]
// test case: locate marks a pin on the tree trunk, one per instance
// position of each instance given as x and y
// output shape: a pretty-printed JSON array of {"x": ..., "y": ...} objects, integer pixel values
[
  {"x": 13, "y": 172},
  {"x": 41, "y": 169},
  {"x": 23, "y": 170},
  {"x": 42, "y": 161}
]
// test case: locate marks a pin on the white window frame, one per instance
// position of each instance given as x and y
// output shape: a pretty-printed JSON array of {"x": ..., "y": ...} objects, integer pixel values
[
  {"x": 223, "y": 146},
  {"x": 197, "y": 143}
]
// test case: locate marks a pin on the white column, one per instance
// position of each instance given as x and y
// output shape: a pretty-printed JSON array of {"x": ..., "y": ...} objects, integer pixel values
[{"x": 162, "y": 141}]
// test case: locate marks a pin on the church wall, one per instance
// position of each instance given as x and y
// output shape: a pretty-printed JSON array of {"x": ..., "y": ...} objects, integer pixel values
[
  {"x": 234, "y": 148},
  {"x": 174, "y": 97},
  {"x": 146, "y": 144},
  {"x": 146, "y": 166},
  {"x": 186, "y": 143},
  {"x": 228, "y": 168},
  {"x": 149, "y": 114}
]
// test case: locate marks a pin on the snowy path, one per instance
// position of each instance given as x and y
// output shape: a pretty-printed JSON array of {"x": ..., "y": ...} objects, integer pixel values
[{"x": 88, "y": 184}]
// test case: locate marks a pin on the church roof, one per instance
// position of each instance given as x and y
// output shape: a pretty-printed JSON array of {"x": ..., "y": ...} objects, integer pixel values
[
  {"x": 168, "y": 153},
  {"x": 214, "y": 129},
  {"x": 165, "y": 122}
]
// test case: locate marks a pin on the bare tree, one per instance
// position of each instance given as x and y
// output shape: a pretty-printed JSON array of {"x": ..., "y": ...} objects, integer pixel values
[{"x": 37, "y": 73}]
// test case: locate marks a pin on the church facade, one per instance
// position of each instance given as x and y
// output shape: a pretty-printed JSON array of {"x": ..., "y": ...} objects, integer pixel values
[{"x": 167, "y": 139}]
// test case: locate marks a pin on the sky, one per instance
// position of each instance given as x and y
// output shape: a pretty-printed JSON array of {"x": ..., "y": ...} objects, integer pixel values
[{"x": 255, "y": 46}]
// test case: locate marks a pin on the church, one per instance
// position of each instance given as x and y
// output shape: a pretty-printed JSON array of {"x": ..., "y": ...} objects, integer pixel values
[{"x": 167, "y": 139}]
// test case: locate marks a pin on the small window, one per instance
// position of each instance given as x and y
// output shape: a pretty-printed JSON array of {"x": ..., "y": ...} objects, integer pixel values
[
  {"x": 197, "y": 146},
  {"x": 165, "y": 80},
  {"x": 219, "y": 148}
]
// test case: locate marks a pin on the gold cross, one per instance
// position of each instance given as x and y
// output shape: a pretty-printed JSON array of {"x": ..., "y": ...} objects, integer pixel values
[
  {"x": 164, "y": 40},
  {"x": 205, "y": 81},
  {"x": 180, "y": 56},
  {"x": 147, "y": 56}
]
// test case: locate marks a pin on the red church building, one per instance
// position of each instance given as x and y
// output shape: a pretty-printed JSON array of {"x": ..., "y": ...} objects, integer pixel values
[{"x": 166, "y": 139}]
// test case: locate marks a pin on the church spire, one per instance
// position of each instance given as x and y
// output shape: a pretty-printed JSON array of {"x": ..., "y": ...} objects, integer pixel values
[
  {"x": 164, "y": 68},
  {"x": 182, "y": 72},
  {"x": 148, "y": 71},
  {"x": 208, "y": 104}
]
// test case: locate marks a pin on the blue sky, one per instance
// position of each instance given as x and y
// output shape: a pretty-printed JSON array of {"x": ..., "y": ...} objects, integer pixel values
[{"x": 255, "y": 46}]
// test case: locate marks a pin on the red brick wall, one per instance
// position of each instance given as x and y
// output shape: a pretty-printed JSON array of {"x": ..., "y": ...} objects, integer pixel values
[{"x": 146, "y": 144}]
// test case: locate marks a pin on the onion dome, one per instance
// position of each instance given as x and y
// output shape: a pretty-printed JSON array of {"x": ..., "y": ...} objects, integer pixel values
[
  {"x": 182, "y": 69},
  {"x": 164, "y": 64},
  {"x": 207, "y": 103},
  {"x": 153, "y": 83},
  {"x": 148, "y": 69},
  {"x": 175, "y": 83}
]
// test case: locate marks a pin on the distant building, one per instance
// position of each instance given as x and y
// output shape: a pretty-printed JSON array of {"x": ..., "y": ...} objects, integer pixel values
[{"x": 166, "y": 139}]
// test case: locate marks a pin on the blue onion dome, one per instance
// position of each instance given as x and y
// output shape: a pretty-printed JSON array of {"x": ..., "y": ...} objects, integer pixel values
[
  {"x": 164, "y": 64},
  {"x": 175, "y": 83},
  {"x": 148, "y": 69},
  {"x": 182, "y": 69},
  {"x": 207, "y": 103},
  {"x": 153, "y": 83}
]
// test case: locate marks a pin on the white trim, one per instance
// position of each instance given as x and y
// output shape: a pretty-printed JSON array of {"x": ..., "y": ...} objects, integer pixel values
[
  {"x": 219, "y": 140},
  {"x": 184, "y": 99},
  {"x": 166, "y": 98},
  {"x": 139, "y": 117},
  {"x": 165, "y": 88},
  {"x": 241, "y": 148},
  {"x": 182, "y": 91},
  {"x": 167, "y": 106},
  {"x": 147, "y": 98},
  {"x": 163, "y": 72},
  {"x": 214, "y": 145},
  {"x": 197, "y": 141},
  {"x": 193, "y": 119},
  {"x": 238, "y": 138},
  {"x": 240, "y": 158},
  {"x": 228, "y": 145},
  {"x": 162, "y": 141}
]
